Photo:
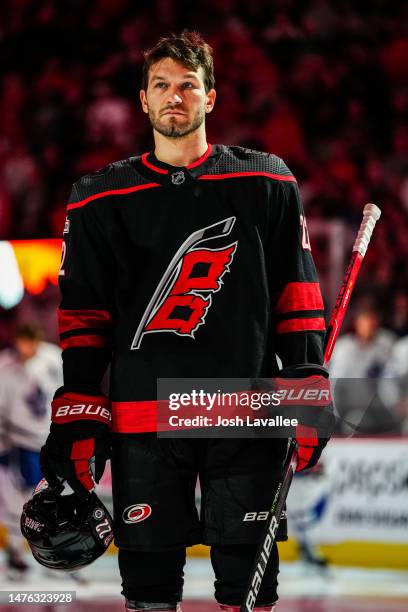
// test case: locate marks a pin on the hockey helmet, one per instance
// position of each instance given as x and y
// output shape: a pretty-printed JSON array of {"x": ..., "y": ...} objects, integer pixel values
[{"x": 65, "y": 532}]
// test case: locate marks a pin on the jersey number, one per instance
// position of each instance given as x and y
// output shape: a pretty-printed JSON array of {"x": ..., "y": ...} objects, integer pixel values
[
  {"x": 63, "y": 255},
  {"x": 305, "y": 234}
]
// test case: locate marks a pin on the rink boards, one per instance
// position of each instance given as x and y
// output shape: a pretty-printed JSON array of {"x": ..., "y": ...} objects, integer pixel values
[{"x": 355, "y": 509}]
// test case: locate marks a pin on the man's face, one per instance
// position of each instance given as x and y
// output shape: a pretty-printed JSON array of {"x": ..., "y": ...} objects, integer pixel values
[
  {"x": 26, "y": 347},
  {"x": 175, "y": 99},
  {"x": 367, "y": 324}
]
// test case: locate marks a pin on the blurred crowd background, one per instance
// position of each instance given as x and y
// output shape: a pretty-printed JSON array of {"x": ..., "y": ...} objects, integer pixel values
[{"x": 322, "y": 84}]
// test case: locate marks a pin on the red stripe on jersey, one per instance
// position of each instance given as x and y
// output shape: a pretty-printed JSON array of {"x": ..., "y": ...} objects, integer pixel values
[
  {"x": 297, "y": 325},
  {"x": 84, "y": 341},
  {"x": 104, "y": 194},
  {"x": 216, "y": 177},
  {"x": 300, "y": 296},
  {"x": 201, "y": 159},
  {"x": 134, "y": 417},
  {"x": 69, "y": 320},
  {"x": 152, "y": 166}
]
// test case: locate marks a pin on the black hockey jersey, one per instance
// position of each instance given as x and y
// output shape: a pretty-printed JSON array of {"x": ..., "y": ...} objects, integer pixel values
[{"x": 197, "y": 271}]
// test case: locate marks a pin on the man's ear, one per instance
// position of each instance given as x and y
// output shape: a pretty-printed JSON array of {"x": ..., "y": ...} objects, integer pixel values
[
  {"x": 143, "y": 100},
  {"x": 209, "y": 105}
]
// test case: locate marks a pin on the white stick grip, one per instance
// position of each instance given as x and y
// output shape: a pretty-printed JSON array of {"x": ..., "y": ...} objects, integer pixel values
[{"x": 371, "y": 215}]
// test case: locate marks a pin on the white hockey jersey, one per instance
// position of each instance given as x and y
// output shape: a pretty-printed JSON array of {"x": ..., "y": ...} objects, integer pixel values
[
  {"x": 353, "y": 359},
  {"x": 26, "y": 391}
]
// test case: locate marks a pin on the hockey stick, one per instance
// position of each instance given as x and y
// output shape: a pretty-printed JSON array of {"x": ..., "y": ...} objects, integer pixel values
[{"x": 371, "y": 215}]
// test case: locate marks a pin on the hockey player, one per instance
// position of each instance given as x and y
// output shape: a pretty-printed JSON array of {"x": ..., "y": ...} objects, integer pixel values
[
  {"x": 28, "y": 374},
  {"x": 146, "y": 242}
]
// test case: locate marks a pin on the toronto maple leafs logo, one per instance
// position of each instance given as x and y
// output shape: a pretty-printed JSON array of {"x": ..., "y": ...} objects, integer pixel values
[
  {"x": 184, "y": 294},
  {"x": 36, "y": 401}
]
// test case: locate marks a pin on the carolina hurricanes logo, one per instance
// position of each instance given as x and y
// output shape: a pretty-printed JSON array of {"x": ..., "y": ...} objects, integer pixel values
[
  {"x": 184, "y": 294},
  {"x": 136, "y": 513}
]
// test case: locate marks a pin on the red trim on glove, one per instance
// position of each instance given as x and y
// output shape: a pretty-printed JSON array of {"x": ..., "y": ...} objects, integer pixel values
[
  {"x": 81, "y": 453},
  {"x": 307, "y": 436},
  {"x": 77, "y": 407},
  {"x": 307, "y": 440}
]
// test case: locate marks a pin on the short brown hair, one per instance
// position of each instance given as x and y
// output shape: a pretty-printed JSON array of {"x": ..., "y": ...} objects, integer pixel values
[
  {"x": 30, "y": 331},
  {"x": 189, "y": 48}
]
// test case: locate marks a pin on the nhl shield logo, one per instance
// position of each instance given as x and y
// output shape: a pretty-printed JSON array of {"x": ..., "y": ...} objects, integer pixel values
[{"x": 178, "y": 178}]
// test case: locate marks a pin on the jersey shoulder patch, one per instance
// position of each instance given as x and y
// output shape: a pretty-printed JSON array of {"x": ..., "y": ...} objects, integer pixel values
[
  {"x": 236, "y": 159},
  {"x": 114, "y": 177}
]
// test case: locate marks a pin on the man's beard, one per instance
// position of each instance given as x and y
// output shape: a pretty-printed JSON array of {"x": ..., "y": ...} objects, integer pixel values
[{"x": 172, "y": 130}]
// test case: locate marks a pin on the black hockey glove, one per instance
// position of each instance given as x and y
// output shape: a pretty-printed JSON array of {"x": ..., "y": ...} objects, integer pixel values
[
  {"x": 309, "y": 391},
  {"x": 78, "y": 445}
]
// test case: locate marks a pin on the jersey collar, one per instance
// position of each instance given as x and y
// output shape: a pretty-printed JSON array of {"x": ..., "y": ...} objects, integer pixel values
[{"x": 150, "y": 161}]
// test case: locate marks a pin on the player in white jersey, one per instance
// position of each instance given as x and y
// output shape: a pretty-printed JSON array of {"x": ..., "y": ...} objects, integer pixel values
[
  {"x": 28, "y": 374},
  {"x": 394, "y": 385},
  {"x": 359, "y": 360},
  {"x": 364, "y": 353}
]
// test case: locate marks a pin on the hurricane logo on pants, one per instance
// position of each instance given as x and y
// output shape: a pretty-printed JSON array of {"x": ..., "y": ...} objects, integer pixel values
[
  {"x": 136, "y": 513},
  {"x": 184, "y": 294}
]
